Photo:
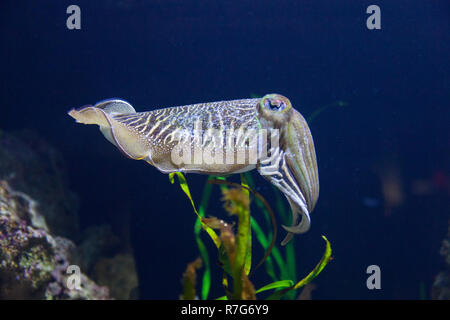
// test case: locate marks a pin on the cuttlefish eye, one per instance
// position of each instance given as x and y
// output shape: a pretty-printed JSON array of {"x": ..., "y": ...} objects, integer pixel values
[{"x": 275, "y": 104}]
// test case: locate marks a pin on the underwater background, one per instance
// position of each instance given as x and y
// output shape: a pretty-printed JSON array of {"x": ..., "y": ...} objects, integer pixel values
[{"x": 380, "y": 106}]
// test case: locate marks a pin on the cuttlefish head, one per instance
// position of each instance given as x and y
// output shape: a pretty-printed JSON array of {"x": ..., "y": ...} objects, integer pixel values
[{"x": 291, "y": 165}]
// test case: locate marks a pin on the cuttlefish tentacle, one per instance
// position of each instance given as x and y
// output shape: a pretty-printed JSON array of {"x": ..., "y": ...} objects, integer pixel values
[
  {"x": 281, "y": 177},
  {"x": 289, "y": 163}
]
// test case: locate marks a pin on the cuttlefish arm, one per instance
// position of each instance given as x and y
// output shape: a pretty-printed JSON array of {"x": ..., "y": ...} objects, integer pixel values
[{"x": 291, "y": 165}]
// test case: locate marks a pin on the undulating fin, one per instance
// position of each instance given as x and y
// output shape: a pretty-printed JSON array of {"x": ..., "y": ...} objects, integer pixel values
[{"x": 115, "y": 106}]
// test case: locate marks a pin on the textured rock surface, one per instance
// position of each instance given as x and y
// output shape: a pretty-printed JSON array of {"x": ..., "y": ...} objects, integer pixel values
[
  {"x": 33, "y": 262},
  {"x": 109, "y": 260},
  {"x": 38, "y": 217},
  {"x": 119, "y": 274},
  {"x": 34, "y": 167}
]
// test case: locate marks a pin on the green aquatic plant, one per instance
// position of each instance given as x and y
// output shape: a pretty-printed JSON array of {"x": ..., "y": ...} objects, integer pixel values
[{"x": 234, "y": 250}]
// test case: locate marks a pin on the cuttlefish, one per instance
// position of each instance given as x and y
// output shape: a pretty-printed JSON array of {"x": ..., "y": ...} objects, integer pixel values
[{"x": 220, "y": 138}]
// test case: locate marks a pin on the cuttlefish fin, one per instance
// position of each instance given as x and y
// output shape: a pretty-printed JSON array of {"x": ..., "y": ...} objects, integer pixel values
[
  {"x": 276, "y": 170},
  {"x": 102, "y": 114}
]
